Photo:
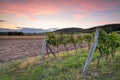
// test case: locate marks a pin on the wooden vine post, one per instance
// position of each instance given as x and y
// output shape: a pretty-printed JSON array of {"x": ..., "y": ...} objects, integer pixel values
[
  {"x": 43, "y": 48},
  {"x": 86, "y": 66}
]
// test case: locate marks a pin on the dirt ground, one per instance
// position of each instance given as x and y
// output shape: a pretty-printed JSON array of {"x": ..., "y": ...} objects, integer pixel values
[
  {"x": 15, "y": 49},
  {"x": 18, "y": 49}
]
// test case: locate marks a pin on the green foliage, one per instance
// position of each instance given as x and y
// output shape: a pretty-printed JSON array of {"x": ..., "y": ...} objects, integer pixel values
[
  {"x": 114, "y": 42},
  {"x": 80, "y": 39},
  {"x": 51, "y": 39},
  {"x": 60, "y": 69},
  {"x": 64, "y": 39},
  {"x": 108, "y": 43},
  {"x": 88, "y": 37},
  {"x": 68, "y": 67},
  {"x": 103, "y": 43},
  {"x": 72, "y": 39}
]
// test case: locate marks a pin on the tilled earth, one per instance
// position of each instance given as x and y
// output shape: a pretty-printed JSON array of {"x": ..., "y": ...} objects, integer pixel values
[{"x": 21, "y": 49}]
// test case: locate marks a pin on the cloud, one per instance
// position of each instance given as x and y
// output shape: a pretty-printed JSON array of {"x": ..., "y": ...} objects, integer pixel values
[
  {"x": 16, "y": 13},
  {"x": 47, "y": 7},
  {"x": 80, "y": 16},
  {"x": 2, "y": 21},
  {"x": 78, "y": 9},
  {"x": 31, "y": 8},
  {"x": 97, "y": 5}
]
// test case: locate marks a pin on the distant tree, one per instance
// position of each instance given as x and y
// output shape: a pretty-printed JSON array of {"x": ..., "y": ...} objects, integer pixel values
[
  {"x": 3, "y": 33},
  {"x": 20, "y": 33},
  {"x": 15, "y": 33},
  {"x": 10, "y": 33}
]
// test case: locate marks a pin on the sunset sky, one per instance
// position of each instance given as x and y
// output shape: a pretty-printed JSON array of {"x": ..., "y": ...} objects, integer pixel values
[{"x": 58, "y": 13}]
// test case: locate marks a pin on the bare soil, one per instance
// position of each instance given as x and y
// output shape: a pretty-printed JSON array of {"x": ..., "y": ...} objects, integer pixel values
[
  {"x": 19, "y": 49},
  {"x": 14, "y": 49}
]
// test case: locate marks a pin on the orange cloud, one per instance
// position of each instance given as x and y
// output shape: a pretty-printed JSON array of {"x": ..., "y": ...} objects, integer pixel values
[{"x": 8, "y": 25}]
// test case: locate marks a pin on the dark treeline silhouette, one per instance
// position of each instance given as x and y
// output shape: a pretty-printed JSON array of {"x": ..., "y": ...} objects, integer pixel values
[
  {"x": 16, "y": 33},
  {"x": 3, "y": 33},
  {"x": 108, "y": 28},
  {"x": 12, "y": 33}
]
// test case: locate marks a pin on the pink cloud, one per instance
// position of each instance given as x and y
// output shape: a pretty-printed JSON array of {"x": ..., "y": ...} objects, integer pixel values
[
  {"x": 19, "y": 14},
  {"x": 80, "y": 16},
  {"x": 33, "y": 8},
  {"x": 29, "y": 10},
  {"x": 107, "y": 22},
  {"x": 101, "y": 22},
  {"x": 48, "y": 7},
  {"x": 93, "y": 5}
]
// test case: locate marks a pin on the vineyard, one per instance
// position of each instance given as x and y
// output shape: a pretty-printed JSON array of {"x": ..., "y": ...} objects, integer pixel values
[
  {"x": 65, "y": 56},
  {"x": 16, "y": 48}
]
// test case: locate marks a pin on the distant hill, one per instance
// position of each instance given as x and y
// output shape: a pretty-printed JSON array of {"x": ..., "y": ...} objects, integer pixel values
[
  {"x": 31, "y": 30},
  {"x": 70, "y": 30},
  {"x": 107, "y": 28},
  {"x": 24, "y": 30},
  {"x": 6, "y": 30}
]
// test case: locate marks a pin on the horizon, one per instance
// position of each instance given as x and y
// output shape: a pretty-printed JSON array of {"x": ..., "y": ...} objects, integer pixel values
[
  {"x": 45, "y": 14},
  {"x": 59, "y": 28}
]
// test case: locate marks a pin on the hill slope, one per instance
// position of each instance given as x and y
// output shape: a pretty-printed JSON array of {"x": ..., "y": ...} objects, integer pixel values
[
  {"x": 107, "y": 28},
  {"x": 24, "y": 30}
]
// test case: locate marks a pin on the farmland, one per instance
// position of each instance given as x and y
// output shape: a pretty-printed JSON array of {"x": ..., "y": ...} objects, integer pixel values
[
  {"x": 18, "y": 49},
  {"x": 71, "y": 52},
  {"x": 20, "y": 37},
  {"x": 21, "y": 47}
]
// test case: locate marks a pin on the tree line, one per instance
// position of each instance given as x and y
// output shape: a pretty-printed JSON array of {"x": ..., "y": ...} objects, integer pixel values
[{"x": 11, "y": 33}]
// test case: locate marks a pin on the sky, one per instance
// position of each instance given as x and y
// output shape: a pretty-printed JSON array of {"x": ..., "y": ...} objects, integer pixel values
[{"x": 45, "y": 14}]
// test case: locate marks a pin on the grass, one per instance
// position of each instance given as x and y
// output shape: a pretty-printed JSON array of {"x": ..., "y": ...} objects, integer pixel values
[{"x": 64, "y": 67}]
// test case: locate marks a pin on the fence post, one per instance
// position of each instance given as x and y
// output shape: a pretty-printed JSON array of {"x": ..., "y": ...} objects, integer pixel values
[
  {"x": 87, "y": 64},
  {"x": 43, "y": 51}
]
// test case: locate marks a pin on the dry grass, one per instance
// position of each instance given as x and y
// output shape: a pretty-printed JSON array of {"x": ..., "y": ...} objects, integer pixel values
[{"x": 31, "y": 61}]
